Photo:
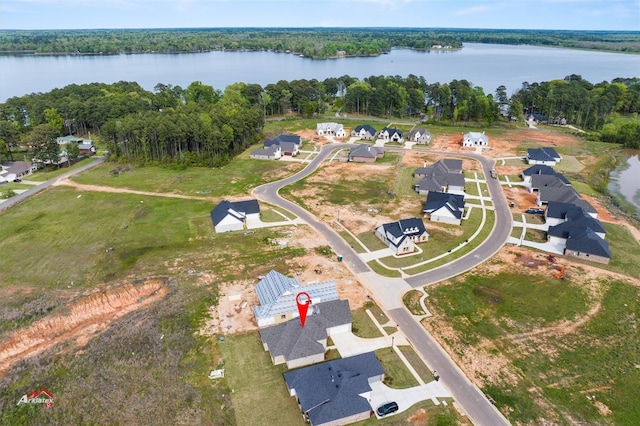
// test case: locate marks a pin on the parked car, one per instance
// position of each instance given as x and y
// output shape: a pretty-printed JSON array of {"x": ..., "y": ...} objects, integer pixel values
[
  {"x": 388, "y": 408},
  {"x": 17, "y": 180},
  {"x": 535, "y": 211}
]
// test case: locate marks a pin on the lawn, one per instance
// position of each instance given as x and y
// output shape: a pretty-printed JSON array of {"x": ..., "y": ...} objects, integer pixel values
[
  {"x": 258, "y": 391},
  {"x": 236, "y": 178},
  {"x": 370, "y": 240},
  {"x": 362, "y": 325},
  {"x": 411, "y": 300},
  {"x": 440, "y": 240},
  {"x": 397, "y": 374},
  {"x": 550, "y": 366}
]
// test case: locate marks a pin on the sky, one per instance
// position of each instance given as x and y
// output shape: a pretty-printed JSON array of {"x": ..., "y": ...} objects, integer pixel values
[{"x": 494, "y": 14}]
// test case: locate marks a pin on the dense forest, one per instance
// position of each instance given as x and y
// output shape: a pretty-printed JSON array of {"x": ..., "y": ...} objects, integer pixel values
[
  {"x": 200, "y": 125},
  {"x": 316, "y": 43}
]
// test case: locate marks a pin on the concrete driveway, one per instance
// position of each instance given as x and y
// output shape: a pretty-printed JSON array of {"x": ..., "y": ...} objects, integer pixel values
[{"x": 405, "y": 398}]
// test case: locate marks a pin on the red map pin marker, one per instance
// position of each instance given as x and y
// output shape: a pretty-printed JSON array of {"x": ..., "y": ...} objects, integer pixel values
[{"x": 303, "y": 306}]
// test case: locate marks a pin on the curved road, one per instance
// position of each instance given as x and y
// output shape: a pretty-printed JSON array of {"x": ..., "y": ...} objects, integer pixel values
[{"x": 471, "y": 400}]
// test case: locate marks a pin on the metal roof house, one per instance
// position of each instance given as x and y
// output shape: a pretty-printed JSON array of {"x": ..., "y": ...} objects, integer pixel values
[
  {"x": 335, "y": 392},
  {"x": 297, "y": 346},
  {"x": 277, "y": 297},
  {"x": 235, "y": 216}
]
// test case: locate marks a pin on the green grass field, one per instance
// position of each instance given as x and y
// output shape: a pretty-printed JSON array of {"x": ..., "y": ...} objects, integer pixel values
[
  {"x": 236, "y": 178},
  {"x": 54, "y": 251},
  {"x": 598, "y": 358},
  {"x": 258, "y": 390}
]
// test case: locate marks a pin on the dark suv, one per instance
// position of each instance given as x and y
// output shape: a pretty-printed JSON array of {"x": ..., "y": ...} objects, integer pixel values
[{"x": 388, "y": 408}]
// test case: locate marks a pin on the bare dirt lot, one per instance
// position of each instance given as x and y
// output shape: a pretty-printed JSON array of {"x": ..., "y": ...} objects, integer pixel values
[
  {"x": 506, "y": 145},
  {"x": 234, "y": 313}
]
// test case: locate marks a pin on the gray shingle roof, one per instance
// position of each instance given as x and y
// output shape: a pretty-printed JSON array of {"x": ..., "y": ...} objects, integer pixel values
[
  {"x": 330, "y": 391},
  {"x": 227, "y": 207},
  {"x": 539, "y": 169},
  {"x": 560, "y": 210},
  {"x": 440, "y": 175},
  {"x": 453, "y": 202},
  {"x": 420, "y": 130},
  {"x": 542, "y": 154},
  {"x": 576, "y": 222},
  {"x": 586, "y": 241},
  {"x": 293, "y": 341},
  {"x": 364, "y": 151},
  {"x": 391, "y": 131},
  {"x": 367, "y": 128},
  {"x": 412, "y": 227},
  {"x": 18, "y": 167}
]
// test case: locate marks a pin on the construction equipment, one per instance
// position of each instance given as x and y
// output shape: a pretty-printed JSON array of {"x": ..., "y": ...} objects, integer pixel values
[{"x": 560, "y": 274}]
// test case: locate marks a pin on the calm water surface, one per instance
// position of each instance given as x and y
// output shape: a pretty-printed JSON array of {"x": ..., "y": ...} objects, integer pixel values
[
  {"x": 485, "y": 65},
  {"x": 625, "y": 179}
]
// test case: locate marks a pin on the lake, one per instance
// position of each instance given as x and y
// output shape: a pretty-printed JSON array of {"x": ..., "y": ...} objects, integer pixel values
[
  {"x": 625, "y": 179},
  {"x": 485, "y": 65}
]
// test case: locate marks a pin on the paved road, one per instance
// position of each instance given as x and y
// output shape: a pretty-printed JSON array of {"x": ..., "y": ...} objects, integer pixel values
[
  {"x": 472, "y": 401},
  {"x": 44, "y": 185},
  {"x": 499, "y": 235}
]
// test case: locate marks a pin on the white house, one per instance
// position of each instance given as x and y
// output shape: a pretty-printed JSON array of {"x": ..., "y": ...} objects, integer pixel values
[
  {"x": 420, "y": 136},
  {"x": 389, "y": 134},
  {"x": 235, "y": 216},
  {"x": 475, "y": 139},
  {"x": 335, "y": 129},
  {"x": 444, "y": 207},
  {"x": 403, "y": 235}
]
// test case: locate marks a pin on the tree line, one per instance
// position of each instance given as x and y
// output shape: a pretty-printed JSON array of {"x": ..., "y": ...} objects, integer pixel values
[
  {"x": 199, "y": 125},
  {"x": 318, "y": 43},
  {"x": 314, "y": 43}
]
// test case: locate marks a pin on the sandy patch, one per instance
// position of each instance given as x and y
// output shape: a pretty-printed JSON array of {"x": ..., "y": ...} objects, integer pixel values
[
  {"x": 505, "y": 145},
  {"x": 234, "y": 312}
]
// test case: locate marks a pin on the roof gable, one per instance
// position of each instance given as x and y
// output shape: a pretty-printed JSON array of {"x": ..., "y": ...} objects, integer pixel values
[
  {"x": 238, "y": 209},
  {"x": 291, "y": 340},
  {"x": 367, "y": 128},
  {"x": 539, "y": 169},
  {"x": 587, "y": 241},
  {"x": 331, "y": 390}
]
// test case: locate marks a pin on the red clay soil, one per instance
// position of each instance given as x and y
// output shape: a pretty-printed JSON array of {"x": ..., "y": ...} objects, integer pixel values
[{"x": 85, "y": 319}]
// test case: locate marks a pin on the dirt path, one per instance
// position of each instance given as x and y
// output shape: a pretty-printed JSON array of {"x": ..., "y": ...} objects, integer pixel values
[
  {"x": 98, "y": 188},
  {"x": 565, "y": 327},
  {"x": 86, "y": 318}
]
